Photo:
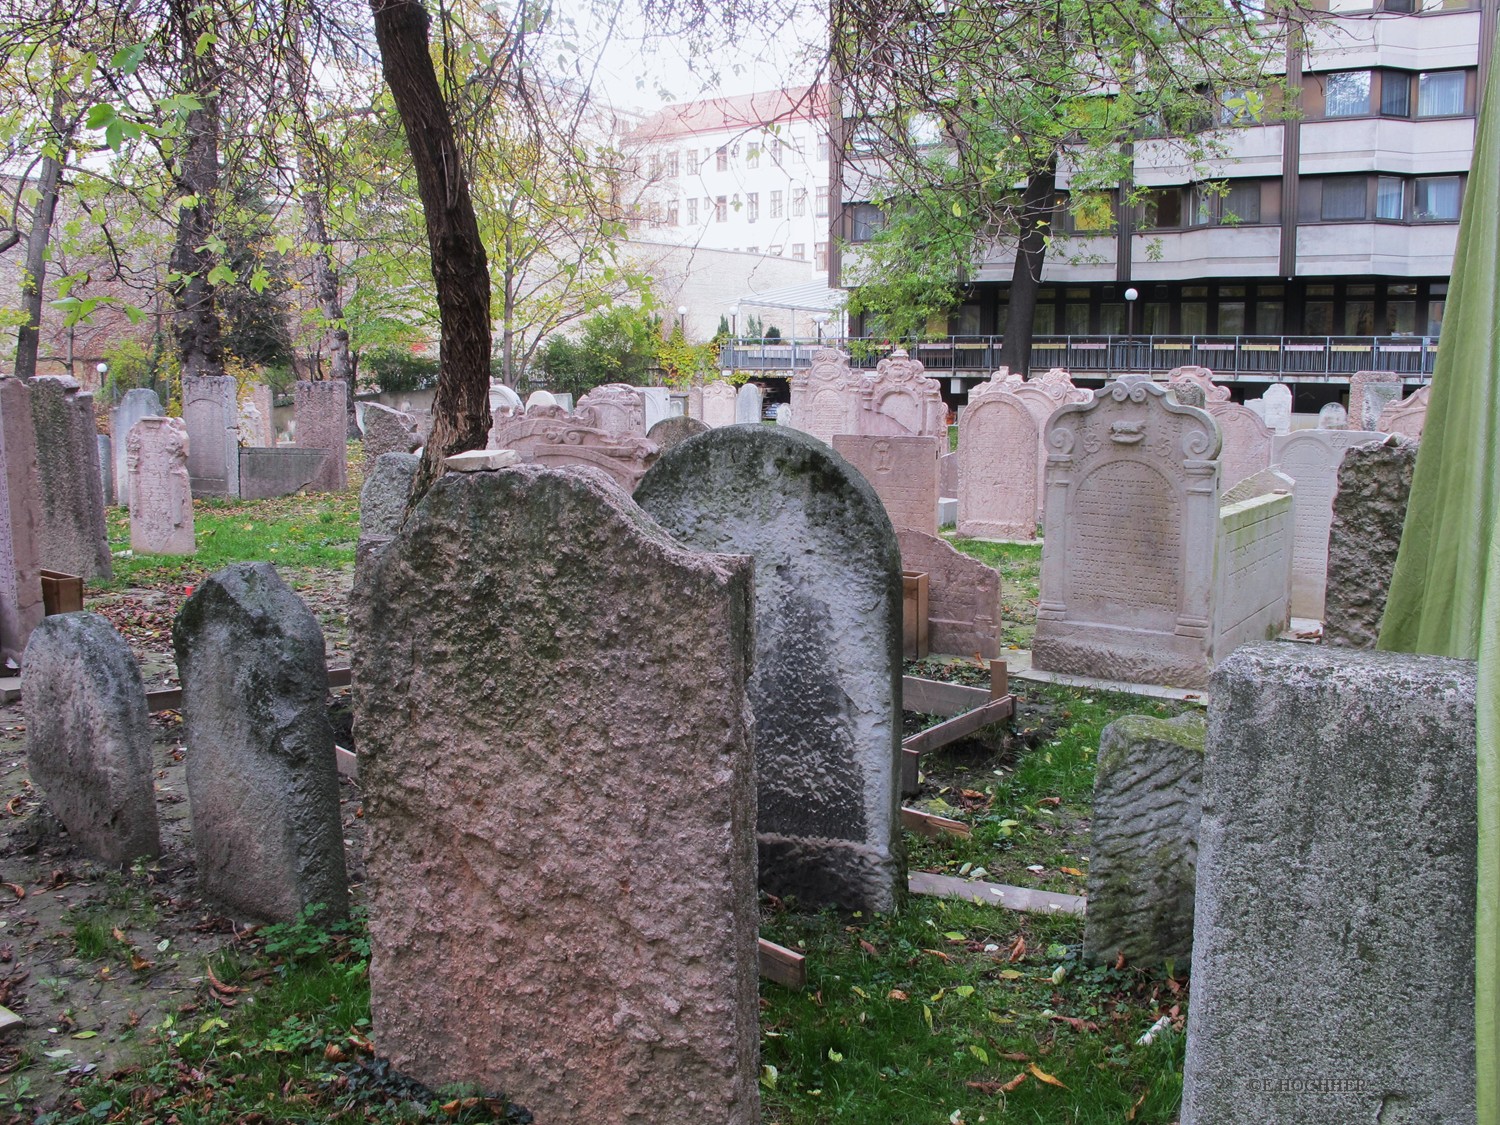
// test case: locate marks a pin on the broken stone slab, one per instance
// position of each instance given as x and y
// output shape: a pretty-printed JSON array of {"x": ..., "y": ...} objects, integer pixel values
[
  {"x": 1369, "y": 511},
  {"x": 382, "y": 502},
  {"x": 481, "y": 460}
]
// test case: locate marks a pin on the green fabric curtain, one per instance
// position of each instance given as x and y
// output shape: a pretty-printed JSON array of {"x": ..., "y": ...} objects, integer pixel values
[{"x": 1445, "y": 594}]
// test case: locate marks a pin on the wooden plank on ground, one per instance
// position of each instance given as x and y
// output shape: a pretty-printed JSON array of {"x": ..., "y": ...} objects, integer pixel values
[
  {"x": 782, "y": 965},
  {"x": 930, "y": 824},
  {"x": 994, "y": 894},
  {"x": 9, "y": 1019},
  {"x": 170, "y": 699},
  {"x": 934, "y": 697},
  {"x": 955, "y": 728},
  {"x": 911, "y": 763},
  {"x": 999, "y": 679}
]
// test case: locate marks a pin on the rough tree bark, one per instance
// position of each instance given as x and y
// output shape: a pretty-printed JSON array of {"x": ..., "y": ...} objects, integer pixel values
[
  {"x": 1026, "y": 277},
  {"x": 49, "y": 185},
  {"x": 460, "y": 273}
]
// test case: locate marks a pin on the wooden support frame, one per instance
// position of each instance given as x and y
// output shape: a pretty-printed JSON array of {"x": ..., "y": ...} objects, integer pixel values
[
  {"x": 914, "y": 614},
  {"x": 930, "y": 824},
  {"x": 971, "y": 708},
  {"x": 782, "y": 965}
]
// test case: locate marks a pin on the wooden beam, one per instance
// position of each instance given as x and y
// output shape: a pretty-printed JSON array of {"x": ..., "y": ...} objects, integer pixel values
[
  {"x": 782, "y": 965},
  {"x": 911, "y": 763},
  {"x": 999, "y": 679},
  {"x": 994, "y": 894},
  {"x": 170, "y": 699},
  {"x": 934, "y": 697},
  {"x": 994, "y": 711},
  {"x": 930, "y": 824},
  {"x": 914, "y": 614}
]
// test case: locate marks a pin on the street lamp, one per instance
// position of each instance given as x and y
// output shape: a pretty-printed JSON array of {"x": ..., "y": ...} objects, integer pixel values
[
  {"x": 682, "y": 318},
  {"x": 1131, "y": 296},
  {"x": 820, "y": 319},
  {"x": 734, "y": 321}
]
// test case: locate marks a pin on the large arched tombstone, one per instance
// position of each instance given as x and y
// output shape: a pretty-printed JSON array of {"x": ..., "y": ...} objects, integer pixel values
[
  {"x": 826, "y": 397},
  {"x": 616, "y": 408},
  {"x": 1247, "y": 437},
  {"x": 1128, "y": 580},
  {"x": 901, "y": 400},
  {"x": 1043, "y": 395},
  {"x": 826, "y": 688},
  {"x": 998, "y": 438},
  {"x": 559, "y": 790}
]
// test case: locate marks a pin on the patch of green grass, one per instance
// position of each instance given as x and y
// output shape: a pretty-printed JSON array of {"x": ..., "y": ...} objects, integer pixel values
[
  {"x": 1020, "y": 567},
  {"x": 91, "y": 936}
]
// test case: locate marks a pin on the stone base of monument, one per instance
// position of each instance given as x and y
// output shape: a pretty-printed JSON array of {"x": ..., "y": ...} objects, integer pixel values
[{"x": 272, "y": 471}]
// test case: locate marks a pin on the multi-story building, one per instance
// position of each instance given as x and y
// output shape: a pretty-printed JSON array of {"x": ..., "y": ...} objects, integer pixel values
[{"x": 1315, "y": 246}]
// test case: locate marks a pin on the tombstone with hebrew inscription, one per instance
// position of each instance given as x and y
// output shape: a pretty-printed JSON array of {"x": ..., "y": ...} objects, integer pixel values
[
  {"x": 904, "y": 473},
  {"x": 1042, "y": 395},
  {"x": 1128, "y": 573},
  {"x": 616, "y": 408},
  {"x": 1246, "y": 436},
  {"x": 720, "y": 401},
  {"x": 998, "y": 439},
  {"x": 1370, "y": 392},
  {"x": 825, "y": 397},
  {"x": 1408, "y": 416},
  {"x": 901, "y": 400}
]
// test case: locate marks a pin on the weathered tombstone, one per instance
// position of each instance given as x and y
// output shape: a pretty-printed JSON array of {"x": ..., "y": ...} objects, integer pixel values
[
  {"x": 1042, "y": 396},
  {"x": 382, "y": 502},
  {"x": 161, "y": 492},
  {"x": 504, "y": 402},
  {"x": 719, "y": 403},
  {"x": 1333, "y": 417},
  {"x": 657, "y": 402},
  {"x": 550, "y": 437},
  {"x": 998, "y": 439},
  {"x": 1407, "y": 416},
  {"x": 1143, "y": 852},
  {"x": 389, "y": 431},
  {"x": 322, "y": 410},
  {"x": 1247, "y": 441},
  {"x": 827, "y": 671},
  {"x": 88, "y": 736},
  {"x": 903, "y": 471},
  {"x": 1336, "y": 783},
  {"x": 784, "y": 414},
  {"x": 1201, "y": 377},
  {"x": 1128, "y": 580},
  {"x": 1312, "y": 458},
  {"x": 963, "y": 596},
  {"x": 563, "y": 400},
  {"x": 669, "y": 431},
  {"x": 73, "y": 537},
  {"x": 135, "y": 404},
  {"x": 1278, "y": 402},
  {"x": 616, "y": 408},
  {"x": 20, "y": 514},
  {"x": 695, "y": 403},
  {"x": 616, "y": 930},
  {"x": 258, "y": 417},
  {"x": 540, "y": 398},
  {"x": 261, "y": 776},
  {"x": 901, "y": 400},
  {"x": 211, "y": 411},
  {"x": 106, "y": 467},
  {"x": 948, "y": 474},
  {"x": 825, "y": 397},
  {"x": 747, "y": 405},
  {"x": 267, "y": 471},
  {"x": 1369, "y": 510},
  {"x": 1370, "y": 392}
]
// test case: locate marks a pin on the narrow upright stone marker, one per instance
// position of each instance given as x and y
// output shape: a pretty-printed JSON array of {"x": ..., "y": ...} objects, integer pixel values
[
  {"x": 210, "y": 408},
  {"x": 1369, "y": 511},
  {"x": 323, "y": 423},
  {"x": 382, "y": 502},
  {"x": 559, "y": 791},
  {"x": 260, "y": 764},
  {"x": 88, "y": 736},
  {"x": 826, "y": 692},
  {"x": 73, "y": 538},
  {"x": 135, "y": 404},
  {"x": 161, "y": 493},
  {"x": 20, "y": 516}
]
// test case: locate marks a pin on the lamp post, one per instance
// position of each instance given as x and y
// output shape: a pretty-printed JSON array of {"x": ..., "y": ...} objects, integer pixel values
[
  {"x": 820, "y": 319},
  {"x": 734, "y": 322},
  {"x": 1131, "y": 295},
  {"x": 103, "y": 369},
  {"x": 682, "y": 318}
]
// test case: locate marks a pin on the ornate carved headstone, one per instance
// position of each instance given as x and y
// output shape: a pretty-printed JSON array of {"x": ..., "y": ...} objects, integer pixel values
[
  {"x": 720, "y": 400},
  {"x": 1407, "y": 416},
  {"x": 828, "y": 634},
  {"x": 902, "y": 400},
  {"x": 747, "y": 405},
  {"x": 161, "y": 493},
  {"x": 594, "y": 957},
  {"x": 20, "y": 514},
  {"x": 390, "y": 431},
  {"x": 904, "y": 473},
  {"x": 998, "y": 442},
  {"x": 616, "y": 408},
  {"x": 88, "y": 736},
  {"x": 1370, "y": 392},
  {"x": 550, "y": 437},
  {"x": 211, "y": 411},
  {"x": 963, "y": 596},
  {"x": 135, "y": 404},
  {"x": 1247, "y": 441},
  {"x": 323, "y": 423},
  {"x": 825, "y": 397},
  {"x": 71, "y": 528},
  {"x": 1042, "y": 396},
  {"x": 1128, "y": 579}
]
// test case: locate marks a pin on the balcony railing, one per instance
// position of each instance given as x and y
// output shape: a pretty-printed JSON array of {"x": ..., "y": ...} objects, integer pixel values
[{"x": 1294, "y": 358}]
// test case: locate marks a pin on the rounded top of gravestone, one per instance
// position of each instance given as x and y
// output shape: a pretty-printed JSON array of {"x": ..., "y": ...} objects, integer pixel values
[
  {"x": 65, "y": 382},
  {"x": 672, "y": 431},
  {"x": 250, "y": 600},
  {"x": 502, "y": 397},
  {"x": 540, "y": 398}
]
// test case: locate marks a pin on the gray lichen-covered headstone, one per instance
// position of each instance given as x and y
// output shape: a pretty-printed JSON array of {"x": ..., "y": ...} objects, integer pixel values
[
  {"x": 669, "y": 431},
  {"x": 1333, "y": 944},
  {"x": 1369, "y": 511},
  {"x": 260, "y": 764},
  {"x": 1145, "y": 840},
  {"x": 382, "y": 501},
  {"x": 73, "y": 538},
  {"x": 387, "y": 431},
  {"x": 88, "y": 736},
  {"x": 210, "y": 407},
  {"x": 20, "y": 514},
  {"x": 826, "y": 692},
  {"x": 322, "y": 411},
  {"x": 560, "y": 799}
]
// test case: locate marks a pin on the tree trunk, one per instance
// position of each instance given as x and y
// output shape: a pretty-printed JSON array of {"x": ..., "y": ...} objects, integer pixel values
[
  {"x": 28, "y": 336},
  {"x": 461, "y": 408},
  {"x": 330, "y": 299},
  {"x": 1026, "y": 278},
  {"x": 195, "y": 318}
]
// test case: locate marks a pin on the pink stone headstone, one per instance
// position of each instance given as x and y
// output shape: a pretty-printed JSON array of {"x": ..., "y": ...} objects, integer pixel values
[
  {"x": 323, "y": 423},
  {"x": 1370, "y": 392},
  {"x": 549, "y": 436},
  {"x": 900, "y": 399},
  {"x": 616, "y": 408},
  {"x": 264, "y": 433},
  {"x": 1201, "y": 376},
  {"x": 998, "y": 440},
  {"x": 902, "y": 470},
  {"x": 825, "y": 397},
  {"x": 1407, "y": 416},
  {"x": 20, "y": 515},
  {"x": 963, "y": 596},
  {"x": 161, "y": 494},
  {"x": 1042, "y": 396},
  {"x": 719, "y": 402}
]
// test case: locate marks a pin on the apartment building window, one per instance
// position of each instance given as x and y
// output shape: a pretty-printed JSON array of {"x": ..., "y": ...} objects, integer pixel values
[
  {"x": 692, "y": 160},
  {"x": 1086, "y": 212},
  {"x": 673, "y": 218},
  {"x": 865, "y": 221},
  {"x": 721, "y": 159},
  {"x": 775, "y": 251},
  {"x": 673, "y": 168},
  {"x": 752, "y": 155},
  {"x": 656, "y": 165},
  {"x": 799, "y": 251},
  {"x": 1343, "y": 198},
  {"x": 1442, "y": 93},
  {"x": 721, "y": 210},
  {"x": 776, "y": 205},
  {"x": 1390, "y": 198},
  {"x": 1346, "y": 94},
  {"x": 752, "y": 249},
  {"x": 799, "y": 202},
  {"x": 820, "y": 255},
  {"x": 708, "y": 208},
  {"x": 820, "y": 202},
  {"x": 692, "y": 211},
  {"x": 1391, "y": 93},
  {"x": 752, "y": 206},
  {"x": 823, "y": 148},
  {"x": 1161, "y": 209},
  {"x": 1231, "y": 203},
  {"x": 1437, "y": 198}
]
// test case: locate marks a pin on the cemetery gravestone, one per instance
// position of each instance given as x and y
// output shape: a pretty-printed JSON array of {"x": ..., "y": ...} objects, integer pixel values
[
  {"x": 747, "y": 405},
  {"x": 695, "y": 403},
  {"x": 1127, "y": 586},
  {"x": 504, "y": 402},
  {"x": 1042, "y": 396},
  {"x": 963, "y": 596},
  {"x": 948, "y": 475},
  {"x": 593, "y": 957},
  {"x": 135, "y": 404},
  {"x": 1336, "y": 785},
  {"x": 828, "y": 631},
  {"x": 784, "y": 414},
  {"x": 211, "y": 412},
  {"x": 258, "y": 417},
  {"x": 106, "y": 467},
  {"x": 20, "y": 513},
  {"x": 657, "y": 402},
  {"x": 161, "y": 493},
  {"x": 904, "y": 473},
  {"x": 1370, "y": 392},
  {"x": 826, "y": 397},
  {"x": 73, "y": 537},
  {"x": 616, "y": 408},
  {"x": 389, "y": 431},
  {"x": 323, "y": 423},
  {"x": 88, "y": 736},
  {"x": 1333, "y": 417},
  {"x": 1369, "y": 510},
  {"x": 720, "y": 400},
  {"x": 669, "y": 431},
  {"x": 1247, "y": 441},
  {"x": 1407, "y": 416},
  {"x": 1278, "y": 405},
  {"x": 998, "y": 440},
  {"x": 550, "y": 437},
  {"x": 382, "y": 502},
  {"x": 540, "y": 398},
  {"x": 260, "y": 766},
  {"x": 901, "y": 400}
]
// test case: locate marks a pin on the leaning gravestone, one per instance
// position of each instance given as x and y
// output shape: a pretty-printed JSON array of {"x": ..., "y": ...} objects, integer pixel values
[
  {"x": 210, "y": 408},
  {"x": 73, "y": 536},
  {"x": 669, "y": 431},
  {"x": 1369, "y": 511},
  {"x": 1144, "y": 845},
  {"x": 1333, "y": 943},
  {"x": 161, "y": 493},
  {"x": 963, "y": 596},
  {"x": 720, "y": 401},
  {"x": 322, "y": 410},
  {"x": 1370, "y": 392},
  {"x": 135, "y": 404},
  {"x": 826, "y": 689},
  {"x": 387, "y": 431},
  {"x": 382, "y": 502},
  {"x": 88, "y": 736},
  {"x": 593, "y": 957},
  {"x": 998, "y": 439},
  {"x": 747, "y": 405},
  {"x": 260, "y": 766},
  {"x": 904, "y": 473},
  {"x": 20, "y": 514}
]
